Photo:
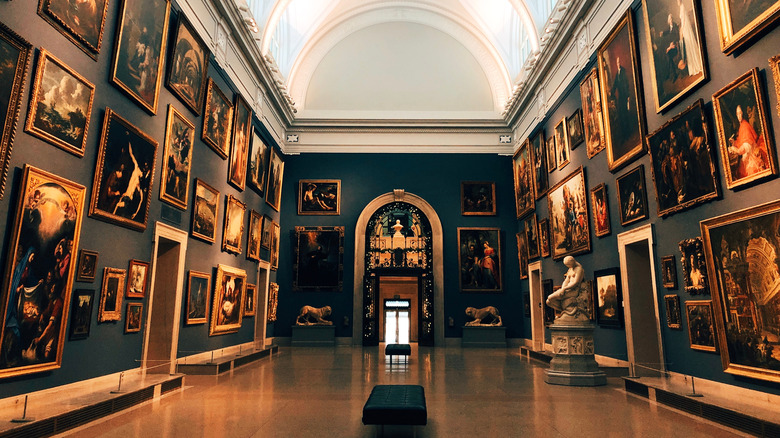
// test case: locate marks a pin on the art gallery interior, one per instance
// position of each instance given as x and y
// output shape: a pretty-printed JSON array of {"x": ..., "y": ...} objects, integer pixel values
[{"x": 218, "y": 213}]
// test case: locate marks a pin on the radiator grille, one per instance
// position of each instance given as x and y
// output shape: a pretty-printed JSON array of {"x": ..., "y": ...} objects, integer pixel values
[
  {"x": 34, "y": 430},
  {"x": 78, "y": 417},
  {"x": 680, "y": 402},
  {"x": 170, "y": 385},
  {"x": 732, "y": 419},
  {"x": 636, "y": 388}
]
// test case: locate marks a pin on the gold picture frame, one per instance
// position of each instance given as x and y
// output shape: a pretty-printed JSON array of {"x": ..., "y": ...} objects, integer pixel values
[
  {"x": 77, "y": 23},
  {"x": 112, "y": 291},
  {"x": 319, "y": 197},
  {"x": 205, "y": 211},
  {"x": 736, "y": 31},
  {"x": 562, "y": 147},
  {"x": 177, "y": 159},
  {"x": 227, "y": 308},
  {"x": 198, "y": 291},
  {"x": 569, "y": 198},
  {"x": 133, "y": 317},
  {"x": 253, "y": 236},
  {"x": 250, "y": 301},
  {"x": 217, "y": 120},
  {"x": 592, "y": 115},
  {"x": 137, "y": 278},
  {"x": 239, "y": 149},
  {"x": 188, "y": 65},
  {"x": 233, "y": 225},
  {"x": 274, "y": 251},
  {"x": 523, "y": 172},
  {"x": 701, "y": 326},
  {"x": 273, "y": 194}
]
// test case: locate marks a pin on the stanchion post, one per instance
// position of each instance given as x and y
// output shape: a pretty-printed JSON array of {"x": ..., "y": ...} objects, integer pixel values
[{"x": 25, "y": 418}]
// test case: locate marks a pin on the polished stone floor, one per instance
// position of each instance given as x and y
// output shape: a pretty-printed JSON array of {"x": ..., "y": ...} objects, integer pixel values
[{"x": 320, "y": 392}]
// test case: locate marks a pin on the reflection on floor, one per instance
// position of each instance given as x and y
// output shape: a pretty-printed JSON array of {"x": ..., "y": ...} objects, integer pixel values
[{"x": 320, "y": 392}]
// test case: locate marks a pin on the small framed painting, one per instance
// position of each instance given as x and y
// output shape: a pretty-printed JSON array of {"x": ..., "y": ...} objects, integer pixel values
[
  {"x": 740, "y": 22},
  {"x": 205, "y": 207},
  {"x": 87, "y": 267},
  {"x": 694, "y": 266},
  {"x": 632, "y": 196},
  {"x": 669, "y": 272},
  {"x": 532, "y": 237},
  {"x": 253, "y": 236},
  {"x": 544, "y": 237},
  {"x": 188, "y": 66},
  {"x": 273, "y": 195},
  {"x": 81, "y": 314},
  {"x": 229, "y": 292},
  {"x": 258, "y": 163},
  {"x": 593, "y": 118},
  {"x": 522, "y": 169},
  {"x": 319, "y": 259},
  {"x": 609, "y": 298},
  {"x": 133, "y": 317},
  {"x": 562, "y": 148},
  {"x": 198, "y": 287},
  {"x": 242, "y": 126},
  {"x": 673, "y": 312},
  {"x": 477, "y": 198},
  {"x": 598, "y": 200},
  {"x": 574, "y": 130},
  {"x": 522, "y": 255},
  {"x": 137, "y": 279},
  {"x": 81, "y": 22},
  {"x": 479, "y": 259},
  {"x": 319, "y": 197},
  {"x": 265, "y": 240},
  {"x": 701, "y": 327},
  {"x": 233, "y": 229},
  {"x": 552, "y": 161},
  {"x": 539, "y": 158},
  {"x": 250, "y": 309},
  {"x": 273, "y": 301},
  {"x": 111, "y": 294},
  {"x": 177, "y": 159},
  {"x": 274, "y": 251},
  {"x": 217, "y": 120}
]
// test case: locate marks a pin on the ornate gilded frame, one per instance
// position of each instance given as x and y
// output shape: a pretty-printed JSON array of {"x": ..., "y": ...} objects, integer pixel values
[
  {"x": 169, "y": 155},
  {"x": 120, "y": 275},
  {"x": 233, "y": 209},
  {"x": 218, "y": 325},
  {"x": 732, "y": 39}
]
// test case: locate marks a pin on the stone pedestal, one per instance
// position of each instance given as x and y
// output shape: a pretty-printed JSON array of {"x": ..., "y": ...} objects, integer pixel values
[
  {"x": 313, "y": 335},
  {"x": 574, "y": 363},
  {"x": 484, "y": 336}
]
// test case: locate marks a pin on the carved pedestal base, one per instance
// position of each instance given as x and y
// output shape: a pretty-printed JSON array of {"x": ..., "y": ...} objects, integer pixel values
[
  {"x": 485, "y": 336},
  {"x": 574, "y": 363},
  {"x": 313, "y": 335}
]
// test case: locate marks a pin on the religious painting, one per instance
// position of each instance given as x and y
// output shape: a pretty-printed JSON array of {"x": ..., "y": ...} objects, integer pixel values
[
  {"x": 694, "y": 266},
  {"x": 774, "y": 65},
  {"x": 522, "y": 168},
  {"x": 632, "y": 196},
  {"x": 137, "y": 279},
  {"x": 14, "y": 57},
  {"x": 747, "y": 149},
  {"x": 250, "y": 309},
  {"x": 265, "y": 239},
  {"x": 80, "y": 21},
  {"x": 273, "y": 301},
  {"x": 522, "y": 255},
  {"x": 188, "y": 66},
  {"x": 683, "y": 163},
  {"x": 229, "y": 291},
  {"x": 217, "y": 120},
  {"x": 81, "y": 314},
  {"x": 205, "y": 207},
  {"x": 539, "y": 155},
  {"x": 122, "y": 187},
  {"x": 142, "y": 33},
  {"x": 547, "y": 290},
  {"x": 574, "y": 131},
  {"x": 674, "y": 40},
  {"x": 273, "y": 257},
  {"x": 319, "y": 253},
  {"x": 621, "y": 95},
  {"x": 609, "y": 299},
  {"x": 598, "y": 200},
  {"x": 133, "y": 317},
  {"x": 544, "y": 237},
  {"x": 568, "y": 206},
  {"x": 593, "y": 118},
  {"x": 477, "y": 198},
  {"x": 742, "y": 255},
  {"x": 673, "y": 312},
  {"x": 253, "y": 236},
  {"x": 740, "y": 21},
  {"x": 479, "y": 259},
  {"x": 701, "y": 328},
  {"x": 87, "y": 266},
  {"x": 323, "y": 197},
  {"x": 273, "y": 195},
  {"x": 40, "y": 267},
  {"x": 552, "y": 162},
  {"x": 233, "y": 229},
  {"x": 562, "y": 148},
  {"x": 258, "y": 163},
  {"x": 111, "y": 293},
  {"x": 532, "y": 237},
  {"x": 177, "y": 159},
  {"x": 198, "y": 287},
  {"x": 669, "y": 272},
  {"x": 61, "y": 105},
  {"x": 242, "y": 127}
]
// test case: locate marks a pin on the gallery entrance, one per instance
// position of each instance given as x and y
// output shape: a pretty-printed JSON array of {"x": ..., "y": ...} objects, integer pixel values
[
  {"x": 397, "y": 321},
  {"x": 398, "y": 296}
]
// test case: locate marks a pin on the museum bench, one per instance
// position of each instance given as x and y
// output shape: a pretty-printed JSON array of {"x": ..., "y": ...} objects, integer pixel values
[
  {"x": 396, "y": 405},
  {"x": 398, "y": 350}
]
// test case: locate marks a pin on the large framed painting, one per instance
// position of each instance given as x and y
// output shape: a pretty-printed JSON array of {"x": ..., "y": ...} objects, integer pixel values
[
  {"x": 740, "y": 21},
  {"x": 122, "y": 188},
  {"x": 229, "y": 292},
  {"x": 552, "y": 162},
  {"x": 233, "y": 230},
  {"x": 477, "y": 198},
  {"x": 568, "y": 206},
  {"x": 253, "y": 236},
  {"x": 133, "y": 317},
  {"x": 562, "y": 148},
  {"x": 15, "y": 54},
  {"x": 273, "y": 194},
  {"x": 539, "y": 155},
  {"x": 111, "y": 293},
  {"x": 683, "y": 162},
  {"x": 592, "y": 116},
  {"x": 598, "y": 200},
  {"x": 479, "y": 259},
  {"x": 673, "y": 311},
  {"x": 61, "y": 105},
  {"x": 632, "y": 196},
  {"x": 745, "y": 285},
  {"x": 81, "y": 314},
  {"x": 205, "y": 209},
  {"x": 669, "y": 272},
  {"x": 273, "y": 301},
  {"x": 544, "y": 237},
  {"x": 87, "y": 267},
  {"x": 609, "y": 299},
  {"x": 273, "y": 256},
  {"x": 574, "y": 131},
  {"x": 265, "y": 239},
  {"x": 81, "y": 22},
  {"x": 522, "y": 255},
  {"x": 747, "y": 150},
  {"x": 177, "y": 159},
  {"x": 198, "y": 287},
  {"x": 40, "y": 267},
  {"x": 621, "y": 96},
  {"x": 694, "y": 266},
  {"x": 675, "y": 44},
  {"x": 137, "y": 278},
  {"x": 319, "y": 259},
  {"x": 258, "y": 163},
  {"x": 188, "y": 66},
  {"x": 250, "y": 308},
  {"x": 323, "y": 197},
  {"x": 701, "y": 328},
  {"x": 532, "y": 237},
  {"x": 239, "y": 149},
  {"x": 522, "y": 168},
  {"x": 217, "y": 120},
  {"x": 140, "y": 41}
]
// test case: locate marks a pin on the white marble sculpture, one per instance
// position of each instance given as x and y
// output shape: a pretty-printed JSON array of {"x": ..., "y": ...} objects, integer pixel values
[
  {"x": 313, "y": 316},
  {"x": 479, "y": 316},
  {"x": 573, "y": 297}
]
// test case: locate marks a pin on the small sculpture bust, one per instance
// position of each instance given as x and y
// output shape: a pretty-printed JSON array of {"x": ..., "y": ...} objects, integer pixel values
[
  {"x": 313, "y": 316},
  {"x": 480, "y": 315},
  {"x": 572, "y": 298}
]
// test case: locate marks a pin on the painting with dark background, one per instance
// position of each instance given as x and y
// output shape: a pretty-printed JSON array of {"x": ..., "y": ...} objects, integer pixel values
[
  {"x": 479, "y": 259},
  {"x": 318, "y": 258}
]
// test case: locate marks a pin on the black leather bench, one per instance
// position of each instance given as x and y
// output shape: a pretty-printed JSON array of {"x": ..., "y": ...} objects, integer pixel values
[
  {"x": 397, "y": 350},
  {"x": 396, "y": 405}
]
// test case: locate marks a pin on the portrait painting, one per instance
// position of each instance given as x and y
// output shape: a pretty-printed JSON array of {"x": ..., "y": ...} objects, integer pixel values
[
  {"x": 701, "y": 327},
  {"x": 122, "y": 187},
  {"x": 40, "y": 266},
  {"x": 253, "y": 236},
  {"x": 552, "y": 162},
  {"x": 142, "y": 33},
  {"x": 81, "y": 314},
  {"x": 258, "y": 163},
  {"x": 15, "y": 54},
  {"x": 205, "y": 207},
  {"x": 274, "y": 251},
  {"x": 522, "y": 168},
  {"x": 250, "y": 308},
  {"x": 673, "y": 311},
  {"x": 61, "y": 105},
  {"x": 322, "y": 197},
  {"x": 674, "y": 42},
  {"x": 609, "y": 299},
  {"x": 547, "y": 290},
  {"x": 188, "y": 66},
  {"x": 562, "y": 148},
  {"x": 532, "y": 237},
  {"x": 621, "y": 96},
  {"x": 539, "y": 155},
  {"x": 477, "y": 198},
  {"x": 87, "y": 266},
  {"x": 233, "y": 229},
  {"x": 669, "y": 272},
  {"x": 177, "y": 159},
  {"x": 198, "y": 287},
  {"x": 217, "y": 120},
  {"x": 568, "y": 206},
  {"x": 133, "y": 316},
  {"x": 600, "y": 205},
  {"x": 739, "y": 21},
  {"x": 741, "y": 252},
  {"x": 747, "y": 150},
  {"x": 522, "y": 255},
  {"x": 319, "y": 264},
  {"x": 265, "y": 239},
  {"x": 111, "y": 293},
  {"x": 683, "y": 162},
  {"x": 239, "y": 150},
  {"x": 574, "y": 131},
  {"x": 273, "y": 194},
  {"x": 273, "y": 301},
  {"x": 229, "y": 292},
  {"x": 544, "y": 237},
  {"x": 479, "y": 259},
  {"x": 632, "y": 196},
  {"x": 81, "y": 21},
  {"x": 137, "y": 279},
  {"x": 592, "y": 117},
  {"x": 694, "y": 266}
]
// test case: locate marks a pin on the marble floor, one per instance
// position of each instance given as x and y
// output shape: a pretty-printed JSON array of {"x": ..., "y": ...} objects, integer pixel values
[{"x": 320, "y": 392}]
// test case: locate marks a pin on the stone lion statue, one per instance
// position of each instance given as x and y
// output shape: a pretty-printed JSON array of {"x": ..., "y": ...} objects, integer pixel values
[
  {"x": 313, "y": 316},
  {"x": 480, "y": 314}
]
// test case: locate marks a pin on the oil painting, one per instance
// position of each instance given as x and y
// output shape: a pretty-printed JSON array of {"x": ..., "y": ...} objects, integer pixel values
[
  {"x": 694, "y": 266},
  {"x": 544, "y": 237},
  {"x": 274, "y": 250},
  {"x": 669, "y": 272},
  {"x": 673, "y": 311},
  {"x": 323, "y": 197},
  {"x": 479, "y": 258},
  {"x": 319, "y": 264},
  {"x": 600, "y": 205},
  {"x": 273, "y": 195},
  {"x": 568, "y": 206},
  {"x": 217, "y": 120},
  {"x": 574, "y": 131},
  {"x": 205, "y": 207},
  {"x": 133, "y": 316},
  {"x": 562, "y": 147},
  {"x": 632, "y": 196},
  {"x": 137, "y": 279},
  {"x": 111, "y": 293},
  {"x": 593, "y": 118},
  {"x": 539, "y": 155},
  {"x": 233, "y": 229},
  {"x": 87, "y": 266},
  {"x": 188, "y": 66},
  {"x": 81, "y": 21},
  {"x": 258, "y": 163},
  {"x": 242, "y": 127},
  {"x": 522, "y": 255},
  {"x": 739, "y": 21},
  {"x": 253, "y": 236},
  {"x": 701, "y": 327},
  {"x": 198, "y": 287},
  {"x": 532, "y": 237},
  {"x": 477, "y": 198},
  {"x": 81, "y": 314},
  {"x": 522, "y": 168},
  {"x": 229, "y": 292},
  {"x": 177, "y": 159},
  {"x": 609, "y": 300},
  {"x": 250, "y": 309}
]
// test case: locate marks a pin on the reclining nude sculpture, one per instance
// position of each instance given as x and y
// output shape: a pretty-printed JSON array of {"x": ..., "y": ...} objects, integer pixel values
[
  {"x": 572, "y": 299},
  {"x": 480, "y": 314},
  {"x": 313, "y": 316}
]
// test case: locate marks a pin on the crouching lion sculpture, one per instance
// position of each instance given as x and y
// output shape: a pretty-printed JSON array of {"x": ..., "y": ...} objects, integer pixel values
[
  {"x": 480, "y": 314},
  {"x": 313, "y": 316}
]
